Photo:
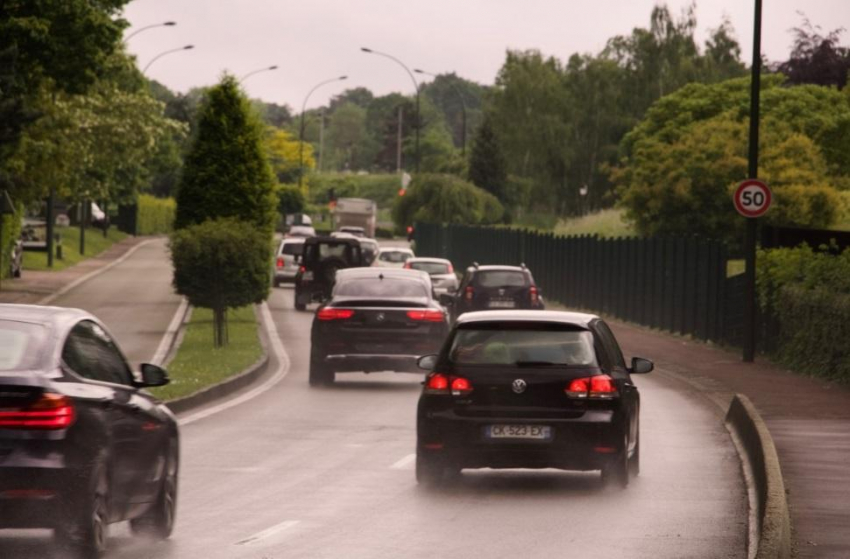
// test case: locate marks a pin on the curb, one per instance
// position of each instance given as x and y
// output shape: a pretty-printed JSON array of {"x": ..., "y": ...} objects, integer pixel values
[{"x": 759, "y": 454}]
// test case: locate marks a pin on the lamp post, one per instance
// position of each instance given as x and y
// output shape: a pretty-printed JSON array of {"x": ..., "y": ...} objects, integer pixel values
[
  {"x": 160, "y": 55},
  {"x": 459, "y": 94},
  {"x": 146, "y": 27},
  {"x": 301, "y": 128},
  {"x": 249, "y": 74},
  {"x": 415, "y": 86}
]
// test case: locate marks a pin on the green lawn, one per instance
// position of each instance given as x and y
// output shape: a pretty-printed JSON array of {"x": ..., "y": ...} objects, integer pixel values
[
  {"x": 605, "y": 223},
  {"x": 95, "y": 244},
  {"x": 198, "y": 364}
]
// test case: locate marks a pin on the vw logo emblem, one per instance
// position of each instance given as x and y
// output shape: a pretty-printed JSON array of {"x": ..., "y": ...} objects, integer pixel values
[
  {"x": 380, "y": 317},
  {"x": 519, "y": 386}
]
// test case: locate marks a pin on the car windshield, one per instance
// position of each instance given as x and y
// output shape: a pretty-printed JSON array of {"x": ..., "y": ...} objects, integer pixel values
[
  {"x": 430, "y": 267},
  {"x": 500, "y": 278},
  {"x": 522, "y": 347},
  {"x": 394, "y": 256},
  {"x": 21, "y": 345},
  {"x": 374, "y": 287}
]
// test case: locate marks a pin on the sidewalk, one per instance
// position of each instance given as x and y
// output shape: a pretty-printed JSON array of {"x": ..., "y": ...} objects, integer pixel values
[
  {"x": 809, "y": 420},
  {"x": 34, "y": 286}
]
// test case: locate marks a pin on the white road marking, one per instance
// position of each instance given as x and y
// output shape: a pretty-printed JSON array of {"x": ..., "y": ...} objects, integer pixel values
[
  {"x": 404, "y": 462},
  {"x": 167, "y": 340},
  {"x": 283, "y": 364},
  {"x": 268, "y": 532}
]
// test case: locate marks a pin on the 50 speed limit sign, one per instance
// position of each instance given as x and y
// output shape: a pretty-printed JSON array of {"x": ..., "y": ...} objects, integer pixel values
[{"x": 752, "y": 198}]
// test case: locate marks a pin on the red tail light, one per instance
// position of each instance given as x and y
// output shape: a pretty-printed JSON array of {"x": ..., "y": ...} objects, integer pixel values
[
  {"x": 51, "y": 411},
  {"x": 599, "y": 387},
  {"x": 280, "y": 262},
  {"x": 468, "y": 293},
  {"x": 438, "y": 383},
  {"x": 330, "y": 313},
  {"x": 532, "y": 292},
  {"x": 302, "y": 269},
  {"x": 407, "y": 265},
  {"x": 426, "y": 316},
  {"x": 451, "y": 269},
  {"x": 461, "y": 386}
]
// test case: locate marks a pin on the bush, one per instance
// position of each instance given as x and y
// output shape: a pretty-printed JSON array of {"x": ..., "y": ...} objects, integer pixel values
[
  {"x": 155, "y": 215},
  {"x": 290, "y": 199},
  {"x": 446, "y": 199}
]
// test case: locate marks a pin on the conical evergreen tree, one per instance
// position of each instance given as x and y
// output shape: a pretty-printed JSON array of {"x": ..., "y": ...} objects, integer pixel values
[{"x": 487, "y": 166}]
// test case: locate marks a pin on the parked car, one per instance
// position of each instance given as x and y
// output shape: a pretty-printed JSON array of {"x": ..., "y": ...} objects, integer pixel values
[
  {"x": 301, "y": 231},
  {"x": 82, "y": 444},
  {"x": 495, "y": 287},
  {"x": 393, "y": 257},
  {"x": 441, "y": 271},
  {"x": 323, "y": 257},
  {"x": 529, "y": 389},
  {"x": 287, "y": 259},
  {"x": 376, "y": 320}
]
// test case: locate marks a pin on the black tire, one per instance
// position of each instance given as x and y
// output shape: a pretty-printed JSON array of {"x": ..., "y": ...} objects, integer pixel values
[
  {"x": 616, "y": 472},
  {"x": 276, "y": 283},
  {"x": 158, "y": 521},
  {"x": 300, "y": 305},
  {"x": 320, "y": 373},
  {"x": 86, "y": 528},
  {"x": 429, "y": 472},
  {"x": 634, "y": 461}
]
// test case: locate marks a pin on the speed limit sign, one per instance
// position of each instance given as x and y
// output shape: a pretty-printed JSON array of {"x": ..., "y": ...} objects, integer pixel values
[{"x": 752, "y": 198}]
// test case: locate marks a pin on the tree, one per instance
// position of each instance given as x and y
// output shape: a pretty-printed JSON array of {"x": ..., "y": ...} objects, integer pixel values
[
  {"x": 221, "y": 264},
  {"x": 487, "y": 167},
  {"x": 226, "y": 172},
  {"x": 290, "y": 199},
  {"x": 816, "y": 59},
  {"x": 284, "y": 155},
  {"x": 349, "y": 145},
  {"x": 436, "y": 198}
]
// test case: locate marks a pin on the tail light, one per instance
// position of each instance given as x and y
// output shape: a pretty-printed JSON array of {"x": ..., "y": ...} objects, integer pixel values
[
  {"x": 302, "y": 269},
  {"x": 280, "y": 262},
  {"x": 599, "y": 387},
  {"x": 50, "y": 411},
  {"x": 330, "y": 313},
  {"x": 426, "y": 316},
  {"x": 439, "y": 383},
  {"x": 451, "y": 269},
  {"x": 407, "y": 265},
  {"x": 533, "y": 294},
  {"x": 468, "y": 293}
]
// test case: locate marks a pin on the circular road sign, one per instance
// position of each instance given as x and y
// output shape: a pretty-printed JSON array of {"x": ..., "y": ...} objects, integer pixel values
[{"x": 752, "y": 198}]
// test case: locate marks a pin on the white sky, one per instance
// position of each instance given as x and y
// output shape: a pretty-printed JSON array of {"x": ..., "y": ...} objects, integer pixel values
[{"x": 313, "y": 40}]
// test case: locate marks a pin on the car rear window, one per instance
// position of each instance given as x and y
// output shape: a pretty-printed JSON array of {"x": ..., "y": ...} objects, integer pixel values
[
  {"x": 500, "y": 278},
  {"x": 522, "y": 346},
  {"x": 293, "y": 249},
  {"x": 430, "y": 267},
  {"x": 394, "y": 256},
  {"x": 21, "y": 345},
  {"x": 370, "y": 288}
]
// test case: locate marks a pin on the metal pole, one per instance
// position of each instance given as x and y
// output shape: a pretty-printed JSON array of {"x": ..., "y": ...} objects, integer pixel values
[
  {"x": 301, "y": 131},
  {"x": 160, "y": 55},
  {"x": 398, "y": 140},
  {"x": 321, "y": 139},
  {"x": 750, "y": 236}
]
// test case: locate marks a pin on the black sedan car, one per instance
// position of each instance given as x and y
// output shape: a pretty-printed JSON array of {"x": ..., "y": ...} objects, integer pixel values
[
  {"x": 494, "y": 288},
  {"x": 82, "y": 444},
  {"x": 378, "y": 319},
  {"x": 529, "y": 389}
]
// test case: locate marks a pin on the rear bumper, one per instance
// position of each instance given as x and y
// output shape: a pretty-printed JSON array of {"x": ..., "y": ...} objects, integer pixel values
[
  {"x": 285, "y": 276},
  {"x": 36, "y": 497}
]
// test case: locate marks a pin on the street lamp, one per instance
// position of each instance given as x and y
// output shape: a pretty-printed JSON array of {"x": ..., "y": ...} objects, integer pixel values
[
  {"x": 146, "y": 27},
  {"x": 249, "y": 74},
  {"x": 459, "y": 94},
  {"x": 301, "y": 130},
  {"x": 160, "y": 55},
  {"x": 415, "y": 86}
]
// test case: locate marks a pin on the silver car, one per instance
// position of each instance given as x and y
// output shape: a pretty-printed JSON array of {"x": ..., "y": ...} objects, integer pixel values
[
  {"x": 441, "y": 271},
  {"x": 288, "y": 259}
]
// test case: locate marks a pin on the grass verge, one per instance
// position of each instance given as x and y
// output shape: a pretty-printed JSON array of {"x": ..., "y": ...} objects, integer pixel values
[
  {"x": 198, "y": 364},
  {"x": 95, "y": 244},
  {"x": 605, "y": 223}
]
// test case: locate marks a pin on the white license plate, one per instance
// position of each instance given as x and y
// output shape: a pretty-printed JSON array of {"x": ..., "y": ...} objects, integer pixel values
[
  {"x": 534, "y": 432},
  {"x": 502, "y": 304}
]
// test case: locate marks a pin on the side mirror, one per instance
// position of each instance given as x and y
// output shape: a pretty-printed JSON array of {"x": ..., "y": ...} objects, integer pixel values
[
  {"x": 447, "y": 300},
  {"x": 427, "y": 362},
  {"x": 153, "y": 375},
  {"x": 641, "y": 366}
]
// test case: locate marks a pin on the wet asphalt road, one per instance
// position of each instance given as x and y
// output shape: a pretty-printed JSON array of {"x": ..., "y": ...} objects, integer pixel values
[{"x": 328, "y": 473}]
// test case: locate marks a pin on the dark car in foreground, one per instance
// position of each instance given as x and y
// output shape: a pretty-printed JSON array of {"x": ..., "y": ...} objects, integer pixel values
[
  {"x": 321, "y": 259},
  {"x": 378, "y": 319},
  {"x": 529, "y": 389},
  {"x": 495, "y": 288},
  {"x": 82, "y": 444}
]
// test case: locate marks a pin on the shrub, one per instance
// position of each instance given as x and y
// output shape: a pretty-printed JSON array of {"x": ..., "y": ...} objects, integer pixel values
[
  {"x": 446, "y": 199},
  {"x": 155, "y": 215}
]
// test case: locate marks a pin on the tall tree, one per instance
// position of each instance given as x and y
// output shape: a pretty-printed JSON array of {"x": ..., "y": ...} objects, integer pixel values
[
  {"x": 817, "y": 59},
  {"x": 487, "y": 167}
]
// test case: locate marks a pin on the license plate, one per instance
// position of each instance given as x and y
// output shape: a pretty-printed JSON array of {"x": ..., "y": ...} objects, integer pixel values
[
  {"x": 307, "y": 276},
  {"x": 533, "y": 432},
  {"x": 502, "y": 304}
]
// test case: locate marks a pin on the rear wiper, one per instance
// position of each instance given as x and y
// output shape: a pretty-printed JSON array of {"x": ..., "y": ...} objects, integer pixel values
[{"x": 536, "y": 363}]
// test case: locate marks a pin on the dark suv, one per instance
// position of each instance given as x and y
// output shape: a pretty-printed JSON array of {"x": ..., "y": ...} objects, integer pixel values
[
  {"x": 494, "y": 288},
  {"x": 322, "y": 258}
]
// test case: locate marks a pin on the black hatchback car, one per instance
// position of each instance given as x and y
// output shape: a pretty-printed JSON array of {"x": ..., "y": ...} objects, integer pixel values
[
  {"x": 82, "y": 444},
  {"x": 494, "y": 288},
  {"x": 529, "y": 389},
  {"x": 378, "y": 319}
]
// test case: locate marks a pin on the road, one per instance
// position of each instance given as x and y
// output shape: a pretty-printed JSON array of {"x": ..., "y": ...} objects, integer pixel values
[{"x": 328, "y": 473}]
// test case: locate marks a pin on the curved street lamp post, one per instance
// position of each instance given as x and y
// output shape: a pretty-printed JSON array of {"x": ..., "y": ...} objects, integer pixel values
[
  {"x": 301, "y": 128},
  {"x": 249, "y": 74},
  {"x": 146, "y": 27},
  {"x": 459, "y": 94},
  {"x": 160, "y": 55}
]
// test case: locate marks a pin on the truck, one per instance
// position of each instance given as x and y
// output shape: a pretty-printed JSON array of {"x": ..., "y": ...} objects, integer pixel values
[{"x": 357, "y": 212}]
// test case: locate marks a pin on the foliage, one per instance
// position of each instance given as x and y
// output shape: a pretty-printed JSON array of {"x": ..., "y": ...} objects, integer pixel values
[
  {"x": 226, "y": 172},
  {"x": 291, "y": 199},
  {"x": 450, "y": 94},
  {"x": 284, "y": 154},
  {"x": 487, "y": 166},
  {"x": 155, "y": 215},
  {"x": 348, "y": 141},
  {"x": 816, "y": 59},
  {"x": 445, "y": 199},
  {"x": 96, "y": 243},
  {"x": 221, "y": 264},
  {"x": 605, "y": 223},
  {"x": 9, "y": 233}
]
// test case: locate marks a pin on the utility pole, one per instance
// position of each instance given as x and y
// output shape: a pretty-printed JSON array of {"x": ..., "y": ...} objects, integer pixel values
[
  {"x": 398, "y": 140},
  {"x": 321, "y": 139}
]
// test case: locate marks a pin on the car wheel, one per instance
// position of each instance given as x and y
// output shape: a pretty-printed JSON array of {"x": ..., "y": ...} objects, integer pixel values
[
  {"x": 429, "y": 472},
  {"x": 85, "y": 531},
  {"x": 634, "y": 461},
  {"x": 320, "y": 373},
  {"x": 616, "y": 472},
  {"x": 276, "y": 283},
  {"x": 158, "y": 521}
]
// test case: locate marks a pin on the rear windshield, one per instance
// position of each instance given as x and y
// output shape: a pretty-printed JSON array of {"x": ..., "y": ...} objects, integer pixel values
[
  {"x": 394, "y": 256},
  {"x": 500, "y": 278},
  {"x": 373, "y": 287},
  {"x": 430, "y": 267},
  {"x": 293, "y": 249},
  {"x": 21, "y": 345},
  {"x": 521, "y": 346},
  {"x": 330, "y": 250}
]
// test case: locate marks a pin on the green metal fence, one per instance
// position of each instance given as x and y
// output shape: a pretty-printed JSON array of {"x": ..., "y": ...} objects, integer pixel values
[{"x": 674, "y": 284}]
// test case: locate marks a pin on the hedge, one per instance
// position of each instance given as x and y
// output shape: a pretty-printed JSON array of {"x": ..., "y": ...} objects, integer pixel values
[{"x": 156, "y": 215}]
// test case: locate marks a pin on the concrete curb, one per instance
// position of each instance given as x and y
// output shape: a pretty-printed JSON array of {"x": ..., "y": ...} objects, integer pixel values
[{"x": 772, "y": 515}]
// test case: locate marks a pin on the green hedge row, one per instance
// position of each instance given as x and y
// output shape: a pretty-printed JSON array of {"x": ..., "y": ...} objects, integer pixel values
[{"x": 156, "y": 215}]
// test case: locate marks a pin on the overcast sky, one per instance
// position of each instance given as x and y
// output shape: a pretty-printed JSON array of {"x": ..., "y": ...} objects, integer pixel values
[{"x": 313, "y": 40}]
